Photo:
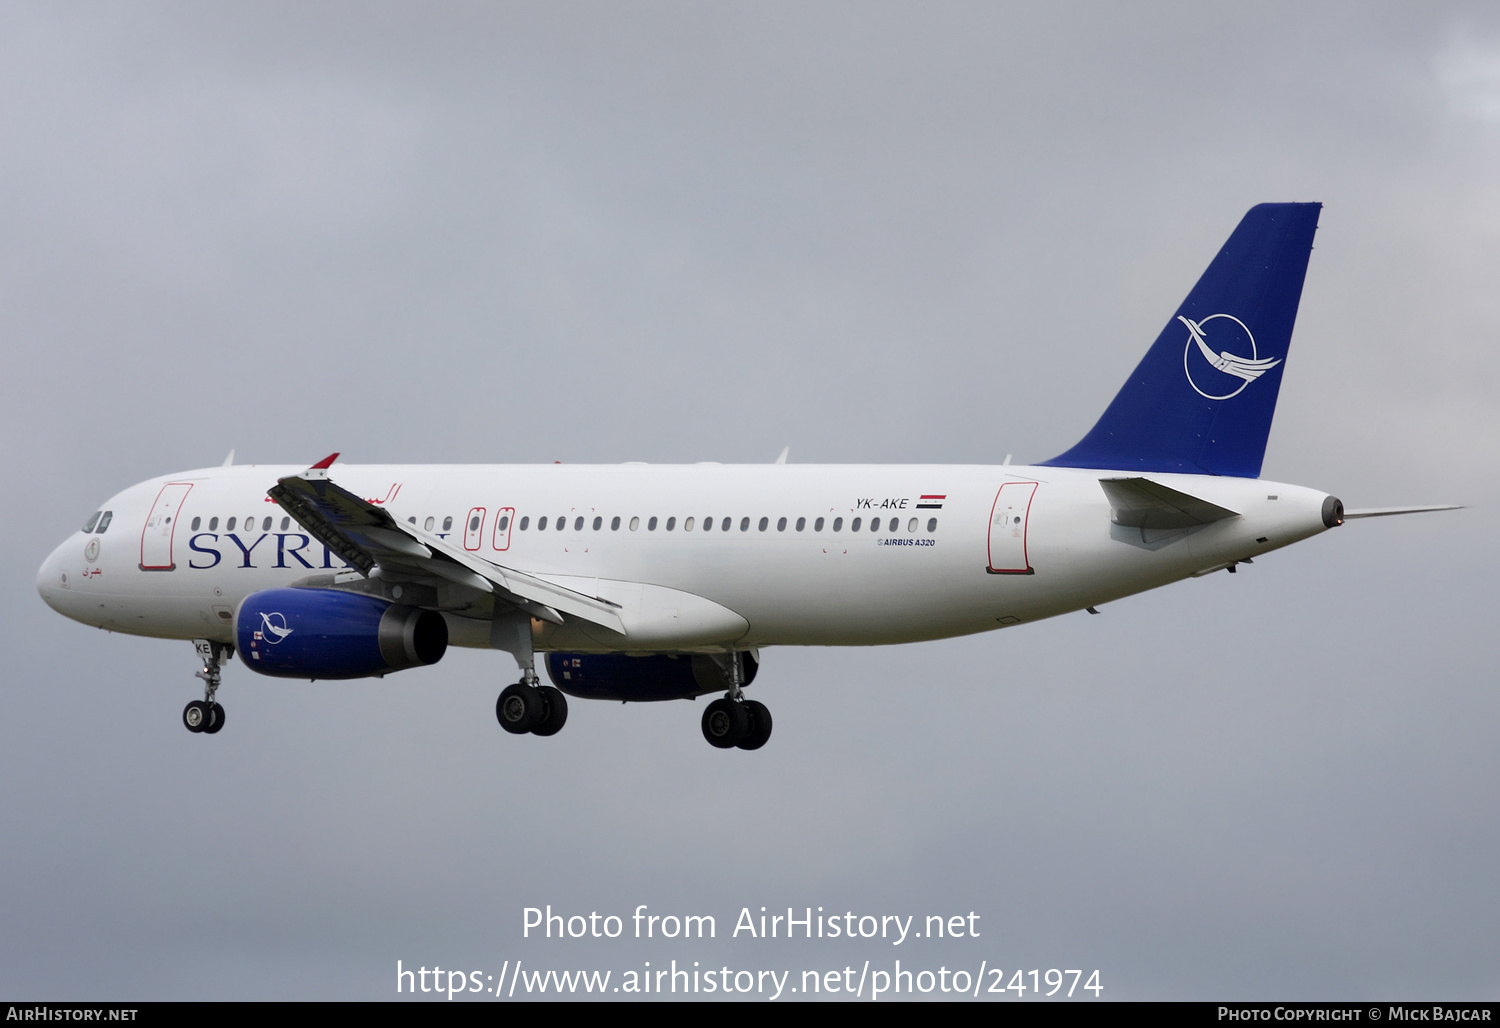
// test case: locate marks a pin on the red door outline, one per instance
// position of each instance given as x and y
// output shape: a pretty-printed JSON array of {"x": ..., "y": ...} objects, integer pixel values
[
  {"x": 473, "y": 536},
  {"x": 507, "y": 515},
  {"x": 1003, "y": 537},
  {"x": 160, "y": 529}
]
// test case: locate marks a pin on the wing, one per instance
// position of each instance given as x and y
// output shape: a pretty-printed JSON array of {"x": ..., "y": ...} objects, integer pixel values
[{"x": 367, "y": 537}]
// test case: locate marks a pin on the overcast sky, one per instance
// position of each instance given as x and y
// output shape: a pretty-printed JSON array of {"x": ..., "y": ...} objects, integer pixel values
[{"x": 679, "y": 232}]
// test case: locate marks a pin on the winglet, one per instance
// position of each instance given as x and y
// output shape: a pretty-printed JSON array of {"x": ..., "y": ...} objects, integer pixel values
[{"x": 325, "y": 463}]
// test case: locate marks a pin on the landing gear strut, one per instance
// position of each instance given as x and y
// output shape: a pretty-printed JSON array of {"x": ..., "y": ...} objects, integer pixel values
[
  {"x": 206, "y": 715},
  {"x": 733, "y": 721}
]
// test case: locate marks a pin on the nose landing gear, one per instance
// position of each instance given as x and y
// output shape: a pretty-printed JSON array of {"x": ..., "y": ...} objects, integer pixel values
[{"x": 206, "y": 715}]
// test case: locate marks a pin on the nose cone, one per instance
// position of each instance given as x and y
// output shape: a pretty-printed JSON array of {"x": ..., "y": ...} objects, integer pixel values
[{"x": 53, "y": 581}]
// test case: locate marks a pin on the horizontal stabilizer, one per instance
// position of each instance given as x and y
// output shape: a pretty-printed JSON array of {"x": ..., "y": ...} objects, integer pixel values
[
  {"x": 1142, "y": 503},
  {"x": 1385, "y": 512}
]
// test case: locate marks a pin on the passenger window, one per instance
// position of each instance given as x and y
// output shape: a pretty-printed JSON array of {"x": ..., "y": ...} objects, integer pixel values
[
  {"x": 763, "y": 523},
  {"x": 911, "y": 526},
  {"x": 932, "y": 524},
  {"x": 229, "y": 525},
  {"x": 92, "y": 522},
  {"x": 781, "y": 524},
  {"x": 671, "y": 524},
  {"x": 448, "y": 524},
  {"x": 895, "y": 524},
  {"x": 598, "y": 523},
  {"x": 266, "y": 525},
  {"x": 687, "y": 526},
  {"x": 196, "y": 523},
  {"x": 708, "y": 524},
  {"x": 818, "y": 525},
  {"x": 562, "y": 522},
  {"x": 429, "y": 523},
  {"x": 744, "y": 524},
  {"x": 474, "y": 523},
  {"x": 651, "y": 525},
  {"x": 874, "y": 524},
  {"x": 541, "y": 523},
  {"x": 213, "y": 524},
  {"x": 578, "y": 524},
  {"x": 801, "y": 524},
  {"x": 504, "y": 523},
  {"x": 614, "y": 523},
  {"x": 287, "y": 522},
  {"x": 526, "y": 522},
  {"x": 854, "y": 525},
  {"x": 411, "y": 521},
  {"x": 838, "y": 524},
  {"x": 725, "y": 526},
  {"x": 635, "y": 523}
]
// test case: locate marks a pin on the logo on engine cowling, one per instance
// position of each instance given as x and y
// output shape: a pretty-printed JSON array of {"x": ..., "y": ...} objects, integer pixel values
[{"x": 273, "y": 631}]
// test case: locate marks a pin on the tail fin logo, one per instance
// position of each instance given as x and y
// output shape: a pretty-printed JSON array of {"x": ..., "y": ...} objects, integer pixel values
[{"x": 1218, "y": 369}]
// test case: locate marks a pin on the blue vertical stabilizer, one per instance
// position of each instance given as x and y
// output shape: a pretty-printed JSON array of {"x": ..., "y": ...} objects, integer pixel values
[{"x": 1201, "y": 400}]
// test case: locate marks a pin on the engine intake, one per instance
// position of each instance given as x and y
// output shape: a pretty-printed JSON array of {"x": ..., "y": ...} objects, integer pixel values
[{"x": 327, "y": 633}]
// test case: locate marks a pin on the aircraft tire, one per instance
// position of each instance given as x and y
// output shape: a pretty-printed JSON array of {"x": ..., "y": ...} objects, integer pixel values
[
  {"x": 216, "y": 719},
  {"x": 556, "y": 715},
  {"x": 725, "y": 723},
  {"x": 196, "y": 715},
  {"x": 760, "y": 726},
  {"x": 519, "y": 707}
]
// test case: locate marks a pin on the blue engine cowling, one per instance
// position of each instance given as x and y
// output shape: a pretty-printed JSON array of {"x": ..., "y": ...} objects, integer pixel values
[
  {"x": 326, "y": 633},
  {"x": 615, "y": 676}
]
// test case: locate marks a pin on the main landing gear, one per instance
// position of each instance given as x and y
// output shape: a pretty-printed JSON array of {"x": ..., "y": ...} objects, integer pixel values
[
  {"x": 206, "y": 715},
  {"x": 733, "y": 721},
  {"x": 527, "y": 707}
]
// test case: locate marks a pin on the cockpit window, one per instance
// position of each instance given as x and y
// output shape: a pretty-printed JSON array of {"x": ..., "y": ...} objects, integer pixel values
[
  {"x": 89, "y": 527},
  {"x": 104, "y": 522}
]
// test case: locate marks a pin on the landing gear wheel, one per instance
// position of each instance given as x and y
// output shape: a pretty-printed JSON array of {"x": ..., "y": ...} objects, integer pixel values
[
  {"x": 725, "y": 723},
  {"x": 196, "y": 716},
  {"x": 216, "y": 719},
  {"x": 519, "y": 708},
  {"x": 760, "y": 726},
  {"x": 556, "y": 715}
]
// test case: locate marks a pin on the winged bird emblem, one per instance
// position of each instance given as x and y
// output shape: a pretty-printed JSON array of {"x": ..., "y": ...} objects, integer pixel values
[
  {"x": 1246, "y": 368},
  {"x": 275, "y": 631}
]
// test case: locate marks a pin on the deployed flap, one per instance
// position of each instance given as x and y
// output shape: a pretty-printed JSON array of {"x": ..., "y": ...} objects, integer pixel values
[
  {"x": 365, "y": 536},
  {"x": 1142, "y": 503}
]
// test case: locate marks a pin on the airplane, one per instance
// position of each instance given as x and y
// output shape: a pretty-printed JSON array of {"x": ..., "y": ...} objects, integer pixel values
[{"x": 654, "y": 582}]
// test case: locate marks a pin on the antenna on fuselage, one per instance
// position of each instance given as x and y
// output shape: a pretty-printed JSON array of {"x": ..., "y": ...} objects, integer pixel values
[
  {"x": 784, "y": 451},
  {"x": 228, "y": 461}
]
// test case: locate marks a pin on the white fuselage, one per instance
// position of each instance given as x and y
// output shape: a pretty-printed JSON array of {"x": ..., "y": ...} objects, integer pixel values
[{"x": 955, "y": 553}]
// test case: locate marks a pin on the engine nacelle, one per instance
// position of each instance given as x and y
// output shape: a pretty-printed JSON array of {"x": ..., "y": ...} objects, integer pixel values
[
  {"x": 326, "y": 633},
  {"x": 616, "y": 676}
]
